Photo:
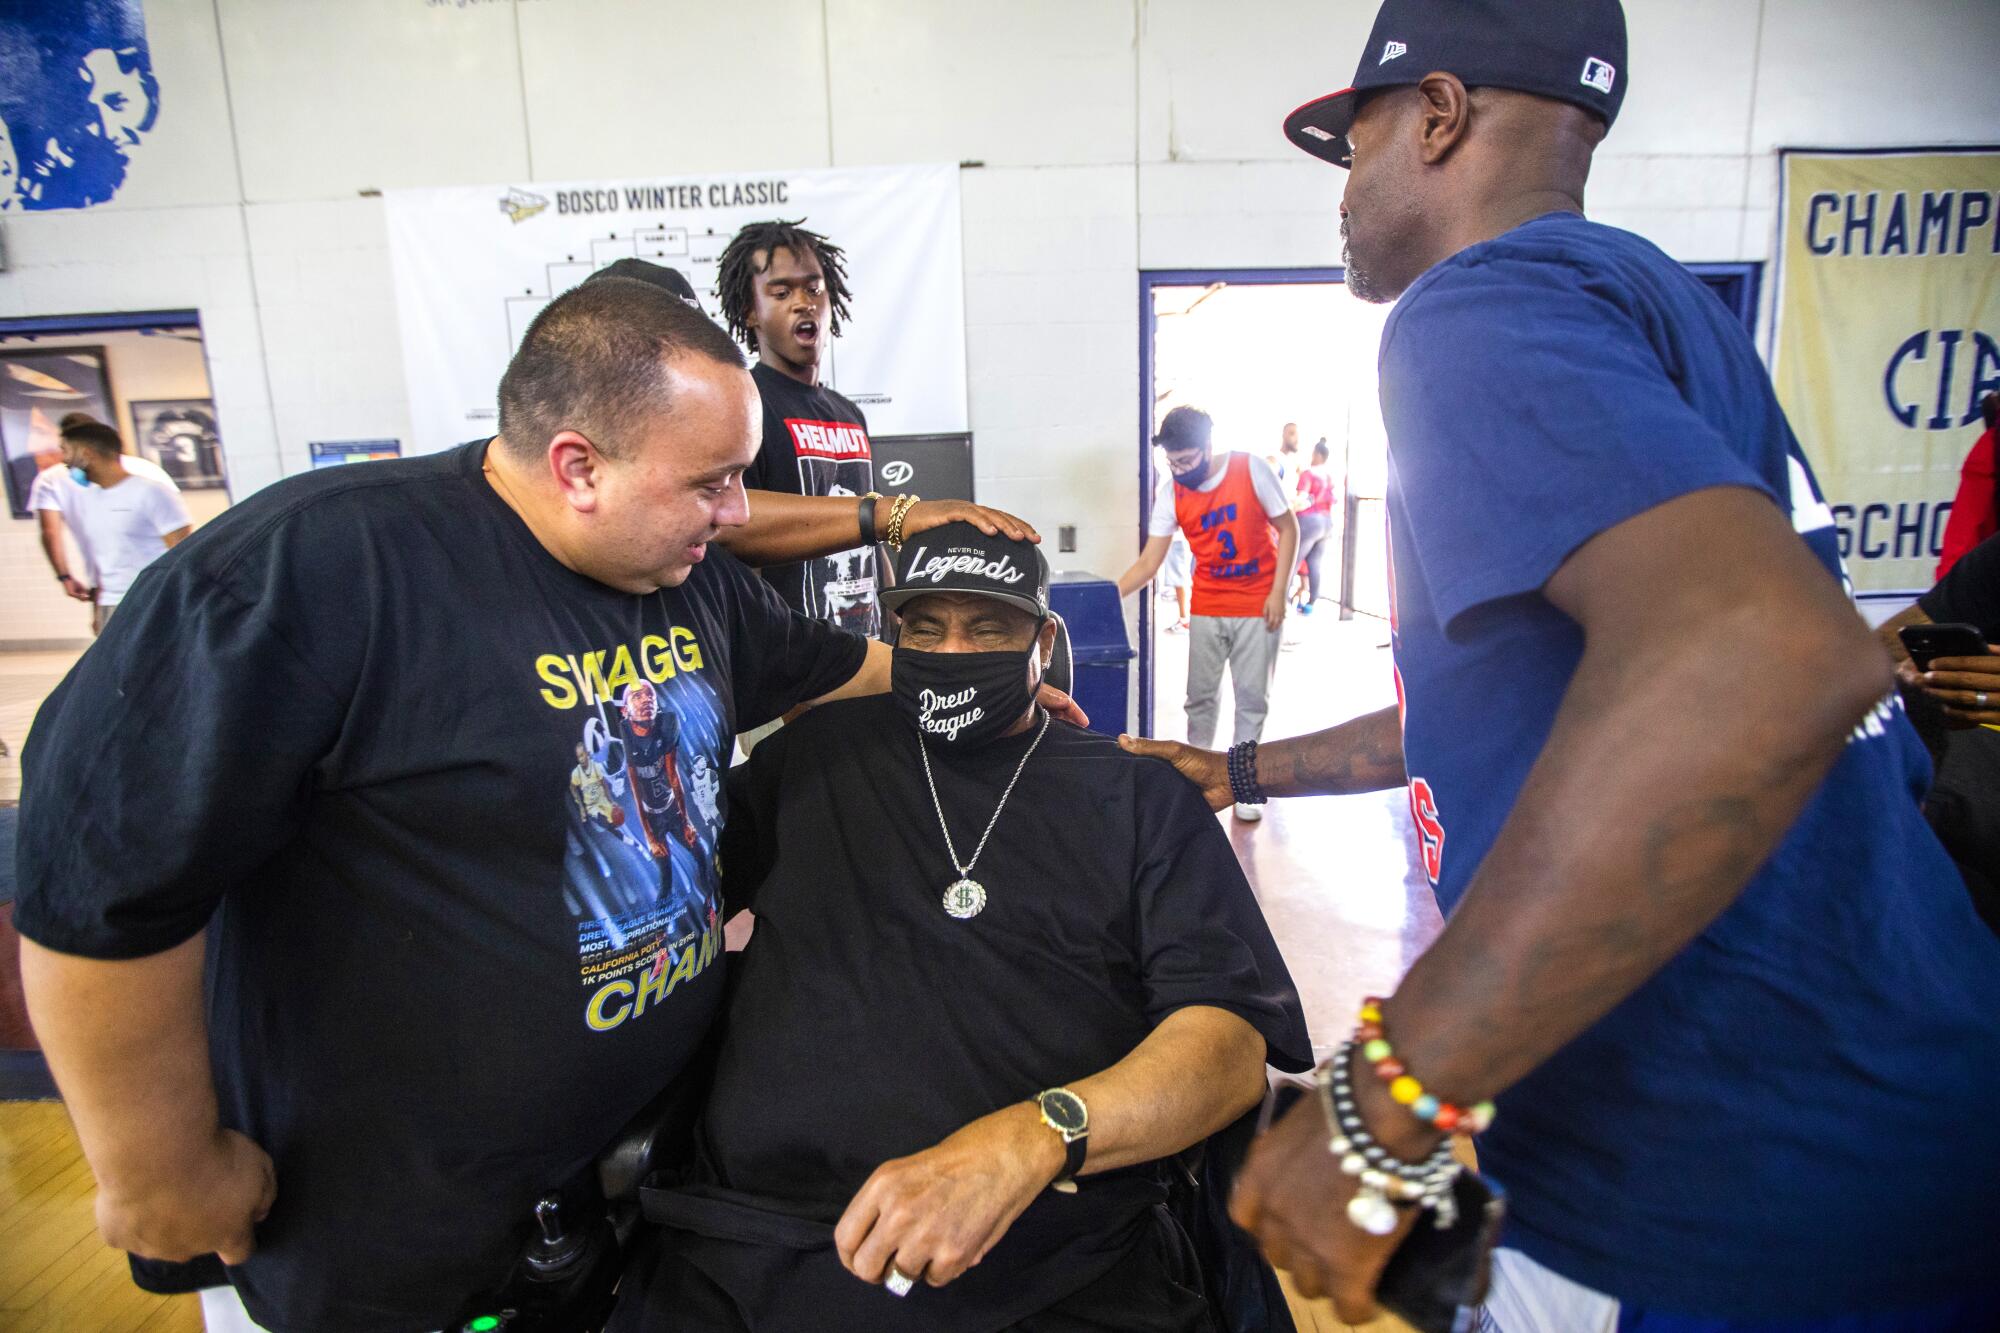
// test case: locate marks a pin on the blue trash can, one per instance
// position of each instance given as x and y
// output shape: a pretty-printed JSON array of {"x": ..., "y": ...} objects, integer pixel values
[{"x": 1101, "y": 655}]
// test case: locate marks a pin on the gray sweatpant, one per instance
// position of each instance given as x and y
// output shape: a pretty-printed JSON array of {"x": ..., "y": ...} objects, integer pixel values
[{"x": 1251, "y": 652}]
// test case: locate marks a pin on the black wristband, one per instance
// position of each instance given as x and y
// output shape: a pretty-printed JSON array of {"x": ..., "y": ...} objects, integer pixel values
[
  {"x": 1074, "y": 1151},
  {"x": 868, "y": 534},
  {"x": 1243, "y": 784}
]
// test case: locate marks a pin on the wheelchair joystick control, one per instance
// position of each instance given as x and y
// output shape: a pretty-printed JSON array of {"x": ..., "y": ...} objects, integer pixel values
[{"x": 553, "y": 1253}]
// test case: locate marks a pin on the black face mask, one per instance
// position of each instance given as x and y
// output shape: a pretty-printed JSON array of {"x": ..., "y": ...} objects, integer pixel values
[
  {"x": 1197, "y": 474},
  {"x": 962, "y": 700}
]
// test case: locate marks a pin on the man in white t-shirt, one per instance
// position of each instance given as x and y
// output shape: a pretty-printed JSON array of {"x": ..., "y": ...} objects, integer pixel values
[
  {"x": 123, "y": 512},
  {"x": 1238, "y": 519}
]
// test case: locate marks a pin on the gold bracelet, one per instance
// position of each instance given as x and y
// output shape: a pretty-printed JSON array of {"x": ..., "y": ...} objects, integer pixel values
[{"x": 897, "y": 513}]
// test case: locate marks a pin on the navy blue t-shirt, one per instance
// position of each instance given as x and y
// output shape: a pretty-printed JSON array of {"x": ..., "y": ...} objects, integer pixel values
[{"x": 1792, "y": 1117}]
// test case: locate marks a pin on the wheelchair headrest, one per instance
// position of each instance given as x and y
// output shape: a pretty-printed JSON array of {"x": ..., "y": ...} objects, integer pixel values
[{"x": 1062, "y": 667}]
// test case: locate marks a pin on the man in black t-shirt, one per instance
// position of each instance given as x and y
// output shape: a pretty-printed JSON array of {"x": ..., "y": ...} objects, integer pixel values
[
  {"x": 382, "y": 746},
  {"x": 1956, "y": 705},
  {"x": 809, "y": 519},
  {"x": 783, "y": 292},
  {"x": 1000, "y": 969}
]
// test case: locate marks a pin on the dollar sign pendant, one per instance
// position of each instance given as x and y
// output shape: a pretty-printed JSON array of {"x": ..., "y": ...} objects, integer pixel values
[{"x": 964, "y": 899}]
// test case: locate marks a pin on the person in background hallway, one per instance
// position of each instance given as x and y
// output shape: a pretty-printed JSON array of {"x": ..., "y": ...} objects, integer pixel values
[
  {"x": 1316, "y": 490},
  {"x": 122, "y": 512},
  {"x": 1956, "y": 705},
  {"x": 1975, "y": 510},
  {"x": 1285, "y": 463},
  {"x": 1178, "y": 574},
  {"x": 1239, "y": 523},
  {"x": 55, "y": 492},
  {"x": 1712, "y": 991}
]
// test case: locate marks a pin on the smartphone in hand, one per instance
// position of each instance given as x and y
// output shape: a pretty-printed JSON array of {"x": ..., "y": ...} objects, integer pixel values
[{"x": 1926, "y": 643}]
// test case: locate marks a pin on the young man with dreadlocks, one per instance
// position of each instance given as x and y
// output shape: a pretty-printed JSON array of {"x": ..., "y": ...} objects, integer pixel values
[{"x": 783, "y": 292}]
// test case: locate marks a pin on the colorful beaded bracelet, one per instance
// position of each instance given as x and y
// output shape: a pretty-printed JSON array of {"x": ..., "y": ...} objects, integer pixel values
[{"x": 1404, "y": 1089}]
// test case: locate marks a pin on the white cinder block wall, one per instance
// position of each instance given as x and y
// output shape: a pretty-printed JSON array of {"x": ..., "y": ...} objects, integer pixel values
[{"x": 1115, "y": 135}]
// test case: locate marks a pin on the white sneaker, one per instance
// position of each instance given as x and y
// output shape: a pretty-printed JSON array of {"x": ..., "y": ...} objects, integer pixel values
[{"x": 1249, "y": 814}]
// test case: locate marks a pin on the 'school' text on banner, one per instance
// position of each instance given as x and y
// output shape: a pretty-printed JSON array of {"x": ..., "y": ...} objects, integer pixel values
[{"x": 1888, "y": 336}]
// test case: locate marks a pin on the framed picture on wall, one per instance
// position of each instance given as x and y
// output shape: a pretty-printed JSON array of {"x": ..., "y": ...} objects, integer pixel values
[
  {"x": 39, "y": 386},
  {"x": 180, "y": 435}
]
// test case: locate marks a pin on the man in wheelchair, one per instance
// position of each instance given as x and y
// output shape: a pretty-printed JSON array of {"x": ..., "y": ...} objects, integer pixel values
[{"x": 1000, "y": 970}]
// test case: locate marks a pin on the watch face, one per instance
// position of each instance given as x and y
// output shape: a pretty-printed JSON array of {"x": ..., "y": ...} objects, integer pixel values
[{"x": 1065, "y": 1111}]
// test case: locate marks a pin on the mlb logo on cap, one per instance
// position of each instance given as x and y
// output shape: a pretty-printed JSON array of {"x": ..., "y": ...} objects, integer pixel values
[{"x": 1529, "y": 46}]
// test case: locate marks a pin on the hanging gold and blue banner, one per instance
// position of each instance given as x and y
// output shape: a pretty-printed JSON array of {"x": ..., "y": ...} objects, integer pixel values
[{"x": 1887, "y": 337}]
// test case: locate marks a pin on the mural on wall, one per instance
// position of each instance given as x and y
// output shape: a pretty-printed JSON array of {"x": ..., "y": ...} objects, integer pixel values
[{"x": 77, "y": 99}]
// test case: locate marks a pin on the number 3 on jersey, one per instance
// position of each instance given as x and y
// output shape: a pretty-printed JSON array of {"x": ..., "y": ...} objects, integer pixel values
[{"x": 1430, "y": 828}]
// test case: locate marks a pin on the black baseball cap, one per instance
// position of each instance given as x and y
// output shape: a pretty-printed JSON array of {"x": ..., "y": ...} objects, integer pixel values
[
  {"x": 1571, "y": 50},
  {"x": 658, "y": 275},
  {"x": 958, "y": 557}
]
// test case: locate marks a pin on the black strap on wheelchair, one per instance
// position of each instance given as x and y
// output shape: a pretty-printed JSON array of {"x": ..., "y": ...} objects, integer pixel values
[{"x": 707, "y": 1213}]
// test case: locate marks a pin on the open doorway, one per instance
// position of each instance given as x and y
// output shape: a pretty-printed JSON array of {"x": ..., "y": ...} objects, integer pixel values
[
  {"x": 143, "y": 374},
  {"x": 1256, "y": 350}
]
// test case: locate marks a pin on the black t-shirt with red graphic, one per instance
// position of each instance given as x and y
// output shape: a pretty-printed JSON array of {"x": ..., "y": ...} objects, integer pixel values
[{"x": 816, "y": 443}]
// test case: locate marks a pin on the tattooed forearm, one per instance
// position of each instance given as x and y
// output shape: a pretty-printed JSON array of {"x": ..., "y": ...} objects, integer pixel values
[
  {"x": 1363, "y": 755},
  {"x": 1722, "y": 675}
]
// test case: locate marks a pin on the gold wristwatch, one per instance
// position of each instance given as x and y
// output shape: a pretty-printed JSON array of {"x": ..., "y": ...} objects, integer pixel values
[{"x": 1064, "y": 1112}]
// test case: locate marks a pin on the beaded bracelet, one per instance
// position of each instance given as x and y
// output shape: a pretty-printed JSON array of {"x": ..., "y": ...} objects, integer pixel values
[
  {"x": 1404, "y": 1089},
  {"x": 1243, "y": 786},
  {"x": 1383, "y": 1181}
]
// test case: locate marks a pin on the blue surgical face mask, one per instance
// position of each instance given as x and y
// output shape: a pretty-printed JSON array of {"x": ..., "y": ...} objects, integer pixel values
[
  {"x": 1196, "y": 475},
  {"x": 79, "y": 476}
]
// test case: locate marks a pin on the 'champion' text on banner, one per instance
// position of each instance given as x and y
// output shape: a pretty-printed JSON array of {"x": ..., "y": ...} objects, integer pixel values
[{"x": 1888, "y": 336}]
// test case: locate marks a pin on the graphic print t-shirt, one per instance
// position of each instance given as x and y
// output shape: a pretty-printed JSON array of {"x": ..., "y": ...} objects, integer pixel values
[
  {"x": 1113, "y": 899},
  {"x": 450, "y": 813},
  {"x": 816, "y": 443},
  {"x": 1786, "y": 1120},
  {"x": 1970, "y": 593}
]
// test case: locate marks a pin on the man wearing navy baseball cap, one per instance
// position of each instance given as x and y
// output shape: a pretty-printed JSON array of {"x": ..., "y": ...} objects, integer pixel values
[{"x": 1716, "y": 998}]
